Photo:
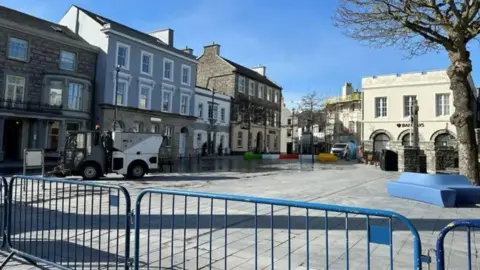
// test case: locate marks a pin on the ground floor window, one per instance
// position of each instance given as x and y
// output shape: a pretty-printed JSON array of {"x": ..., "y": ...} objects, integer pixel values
[
  {"x": 53, "y": 135},
  {"x": 73, "y": 126},
  {"x": 154, "y": 128},
  {"x": 168, "y": 135},
  {"x": 406, "y": 140},
  {"x": 240, "y": 139},
  {"x": 275, "y": 142},
  {"x": 443, "y": 140}
]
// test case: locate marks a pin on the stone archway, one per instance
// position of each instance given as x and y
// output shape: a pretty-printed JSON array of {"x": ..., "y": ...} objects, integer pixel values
[
  {"x": 404, "y": 137},
  {"x": 380, "y": 131},
  {"x": 380, "y": 142},
  {"x": 259, "y": 147},
  {"x": 182, "y": 142},
  {"x": 443, "y": 138}
]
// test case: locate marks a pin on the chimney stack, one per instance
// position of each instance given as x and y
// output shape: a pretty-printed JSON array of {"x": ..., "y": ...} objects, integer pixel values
[
  {"x": 214, "y": 48},
  {"x": 347, "y": 89},
  {"x": 188, "y": 50},
  {"x": 260, "y": 70},
  {"x": 165, "y": 35}
]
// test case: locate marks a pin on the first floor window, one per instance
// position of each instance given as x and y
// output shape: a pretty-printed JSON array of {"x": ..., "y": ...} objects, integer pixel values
[
  {"x": 56, "y": 90},
  {"x": 166, "y": 101},
  {"x": 122, "y": 93},
  {"x": 184, "y": 104},
  {"x": 75, "y": 96},
  {"x": 186, "y": 75},
  {"x": 240, "y": 139},
  {"x": 200, "y": 110},
  {"x": 168, "y": 135},
  {"x": 15, "y": 90},
  {"x": 381, "y": 107},
  {"x": 213, "y": 111},
  {"x": 144, "y": 97},
  {"x": 73, "y": 126},
  {"x": 222, "y": 114},
  {"x": 351, "y": 126},
  {"x": 408, "y": 105},
  {"x": 443, "y": 104}
]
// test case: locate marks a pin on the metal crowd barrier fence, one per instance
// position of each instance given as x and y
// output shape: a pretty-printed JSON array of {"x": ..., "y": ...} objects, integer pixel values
[
  {"x": 191, "y": 230},
  {"x": 3, "y": 209},
  {"x": 470, "y": 225},
  {"x": 68, "y": 224}
]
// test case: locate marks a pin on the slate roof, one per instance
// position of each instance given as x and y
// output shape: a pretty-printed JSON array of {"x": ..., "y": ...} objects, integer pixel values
[
  {"x": 252, "y": 74},
  {"x": 37, "y": 23},
  {"x": 132, "y": 32}
]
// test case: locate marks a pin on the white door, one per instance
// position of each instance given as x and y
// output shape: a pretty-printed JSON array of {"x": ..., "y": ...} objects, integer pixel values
[{"x": 182, "y": 144}]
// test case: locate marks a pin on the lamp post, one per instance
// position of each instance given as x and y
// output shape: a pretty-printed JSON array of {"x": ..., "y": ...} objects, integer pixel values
[
  {"x": 293, "y": 129},
  {"x": 115, "y": 97},
  {"x": 211, "y": 126}
]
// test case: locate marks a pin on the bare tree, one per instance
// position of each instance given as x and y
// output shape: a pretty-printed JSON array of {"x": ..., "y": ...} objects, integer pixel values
[
  {"x": 420, "y": 26},
  {"x": 310, "y": 110}
]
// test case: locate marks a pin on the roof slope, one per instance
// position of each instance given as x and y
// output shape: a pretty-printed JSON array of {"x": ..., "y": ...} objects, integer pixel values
[
  {"x": 39, "y": 24},
  {"x": 132, "y": 32},
  {"x": 252, "y": 74}
]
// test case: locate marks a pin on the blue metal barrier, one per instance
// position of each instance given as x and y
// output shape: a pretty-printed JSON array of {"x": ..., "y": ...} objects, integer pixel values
[
  {"x": 68, "y": 224},
  {"x": 440, "y": 249},
  {"x": 3, "y": 210},
  {"x": 174, "y": 229}
]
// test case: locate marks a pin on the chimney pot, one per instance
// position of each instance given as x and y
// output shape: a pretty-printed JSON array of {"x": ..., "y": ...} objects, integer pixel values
[{"x": 188, "y": 50}]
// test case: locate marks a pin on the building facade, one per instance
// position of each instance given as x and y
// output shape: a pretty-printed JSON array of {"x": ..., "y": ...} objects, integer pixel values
[
  {"x": 256, "y": 101},
  {"x": 289, "y": 131},
  {"x": 344, "y": 116},
  {"x": 387, "y": 102},
  {"x": 156, "y": 81},
  {"x": 46, "y": 84},
  {"x": 213, "y": 116}
]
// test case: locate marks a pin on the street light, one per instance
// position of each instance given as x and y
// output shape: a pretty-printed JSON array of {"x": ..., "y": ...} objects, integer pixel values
[
  {"x": 211, "y": 120},
  {"x": 115, "y": 97}
]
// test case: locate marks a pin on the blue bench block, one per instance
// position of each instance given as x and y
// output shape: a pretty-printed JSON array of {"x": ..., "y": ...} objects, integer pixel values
[
  {"x": 436, "y": 195},
  {"x": 438, "y": 189}
]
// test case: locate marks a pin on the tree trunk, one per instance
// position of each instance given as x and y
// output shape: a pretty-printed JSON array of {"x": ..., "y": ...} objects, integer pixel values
[{"x": 462, "y": 118}]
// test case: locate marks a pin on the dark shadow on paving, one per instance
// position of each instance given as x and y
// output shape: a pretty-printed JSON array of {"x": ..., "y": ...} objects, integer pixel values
[
  {"x": 31, "y": 219},
  {"x": 74, "y": 255}
]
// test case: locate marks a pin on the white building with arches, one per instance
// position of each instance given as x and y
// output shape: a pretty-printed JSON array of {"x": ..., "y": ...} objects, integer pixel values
[{"x": 386, "y": 104}]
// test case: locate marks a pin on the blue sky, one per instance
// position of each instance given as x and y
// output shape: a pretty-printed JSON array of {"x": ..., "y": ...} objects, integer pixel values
[{"x": 296, "y": 40}]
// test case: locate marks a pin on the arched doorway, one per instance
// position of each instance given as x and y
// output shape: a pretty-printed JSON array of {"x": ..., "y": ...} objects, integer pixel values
[
  {"x": 259, "y": 148},
  {"x": 380, "y": 142},
  {"x": 406, "y": 140},
  {"x": 444, "y": 140},
  {"x": 182, "y": 142},
  {"x": 120, "y": 126}
]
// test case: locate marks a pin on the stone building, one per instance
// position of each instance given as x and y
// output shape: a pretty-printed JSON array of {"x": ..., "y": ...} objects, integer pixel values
[
  {"x": 256, "y": 100},
  {"x": 386, "y": 112},
  {"x": 156, "y": 82},
  {"x": 344, "y": 116},
  {"x": 46, "y": 84}
]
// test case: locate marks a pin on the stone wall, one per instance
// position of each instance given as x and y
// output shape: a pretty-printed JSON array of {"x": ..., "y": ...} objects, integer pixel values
[{"x": 43, "y": 58}]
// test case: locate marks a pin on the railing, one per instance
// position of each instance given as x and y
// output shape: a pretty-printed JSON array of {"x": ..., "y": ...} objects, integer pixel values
[
  {"x": 351, "y": 97},
  {"x": 31, "y": 106},
  {"x": 68, "y": 224},
  {"x": 440, "y": 249},
  {"x": 175, "y": 229},
  {"x": 3, "y": 209}
]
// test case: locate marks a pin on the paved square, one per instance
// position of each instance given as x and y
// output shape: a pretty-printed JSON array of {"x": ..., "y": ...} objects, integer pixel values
[{"x": 195, "y": 234}]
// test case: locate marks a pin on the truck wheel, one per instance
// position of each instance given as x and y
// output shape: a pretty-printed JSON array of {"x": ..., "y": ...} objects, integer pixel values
[
  {"x": 90, "y": 172},
  {"x": 136, "y": 171}
]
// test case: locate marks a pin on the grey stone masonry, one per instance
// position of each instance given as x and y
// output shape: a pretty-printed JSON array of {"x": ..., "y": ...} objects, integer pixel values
[
  {"x": 43, "y": 59},
  {"x": 409, "y": 159}
]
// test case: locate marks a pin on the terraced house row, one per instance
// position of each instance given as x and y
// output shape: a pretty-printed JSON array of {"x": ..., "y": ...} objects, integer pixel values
[{"x": 71, "y": 75}]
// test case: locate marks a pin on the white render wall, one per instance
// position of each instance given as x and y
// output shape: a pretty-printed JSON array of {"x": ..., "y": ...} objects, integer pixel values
[
  {"x": 424, "y": 85},
  {"x": 203, "y": 96}
]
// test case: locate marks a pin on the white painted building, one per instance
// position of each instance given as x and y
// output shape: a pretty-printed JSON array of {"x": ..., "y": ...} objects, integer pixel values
[
  {"x": 386, "y": 109},
  {"x": 219, "y": 112},
  {"x": 289, "y": 130}
]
